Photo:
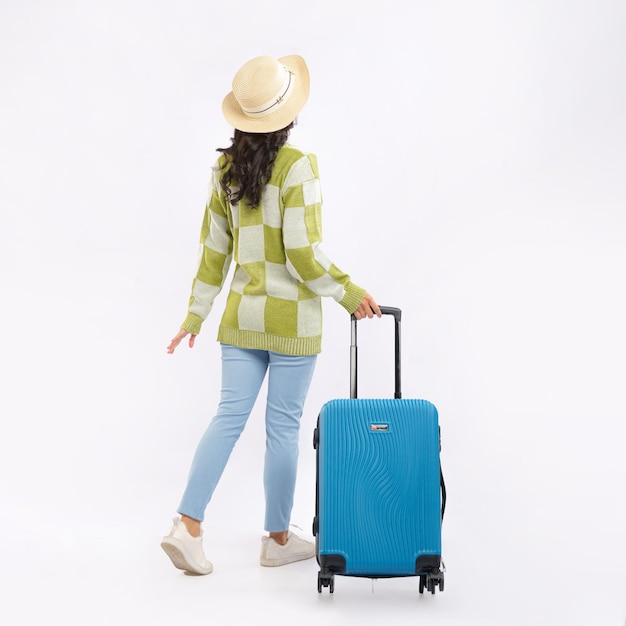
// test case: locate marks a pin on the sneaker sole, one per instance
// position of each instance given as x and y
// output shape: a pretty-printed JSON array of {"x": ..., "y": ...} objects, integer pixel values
[
  {"x": 179, "y": 557},
  {"x": 285, "y": 561}
]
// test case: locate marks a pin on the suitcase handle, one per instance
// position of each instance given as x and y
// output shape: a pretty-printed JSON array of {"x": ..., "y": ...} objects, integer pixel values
[{"x": 385, "y": 310}]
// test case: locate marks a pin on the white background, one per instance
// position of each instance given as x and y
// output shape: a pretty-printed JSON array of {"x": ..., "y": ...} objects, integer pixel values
[{"x": 473, "y": 164}]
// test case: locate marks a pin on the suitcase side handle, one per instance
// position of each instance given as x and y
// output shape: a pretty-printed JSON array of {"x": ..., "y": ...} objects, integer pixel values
[{"x": 397, "y": 315}]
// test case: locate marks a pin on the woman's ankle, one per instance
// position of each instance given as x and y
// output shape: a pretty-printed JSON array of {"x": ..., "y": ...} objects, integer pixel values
[
  {"x": 280, "y": 538},
  {"x": 192, "y": 525}
]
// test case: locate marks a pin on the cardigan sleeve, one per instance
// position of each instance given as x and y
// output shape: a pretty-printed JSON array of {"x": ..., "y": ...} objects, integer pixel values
[
  {"x": 302, "y": 235},
  {"x": 214, "y": 258}
]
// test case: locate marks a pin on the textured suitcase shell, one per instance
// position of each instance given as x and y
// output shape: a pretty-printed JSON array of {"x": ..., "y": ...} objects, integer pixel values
[{"x": 378, "y": 487}]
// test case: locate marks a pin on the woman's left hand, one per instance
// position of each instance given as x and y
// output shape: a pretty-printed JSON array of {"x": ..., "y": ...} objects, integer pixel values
[{"x": 182, "y": 333}]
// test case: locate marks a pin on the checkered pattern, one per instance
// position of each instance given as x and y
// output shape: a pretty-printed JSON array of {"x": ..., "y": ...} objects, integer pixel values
[{"x": 281, "y": 273}]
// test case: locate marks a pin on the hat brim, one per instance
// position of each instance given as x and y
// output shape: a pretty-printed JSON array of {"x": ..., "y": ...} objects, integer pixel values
[{"x": 287, "y": 113}]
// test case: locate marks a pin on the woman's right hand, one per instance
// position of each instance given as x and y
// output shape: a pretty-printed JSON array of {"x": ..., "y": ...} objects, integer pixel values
[
  {"x": 367, "y": 308},
  {"x": 182, "y": 333}
]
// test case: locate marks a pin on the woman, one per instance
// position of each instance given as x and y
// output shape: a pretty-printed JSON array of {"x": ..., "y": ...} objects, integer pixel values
[{"x": 264, "y": 211}]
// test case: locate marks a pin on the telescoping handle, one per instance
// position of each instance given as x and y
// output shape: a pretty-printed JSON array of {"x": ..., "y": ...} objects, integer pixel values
[{"x": 385, "y": 310}]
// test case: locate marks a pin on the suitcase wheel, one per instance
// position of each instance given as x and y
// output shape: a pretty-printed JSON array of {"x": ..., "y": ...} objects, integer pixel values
[
  {"x": 325, "y": 580},
  {"x": 431, "y": 581}
]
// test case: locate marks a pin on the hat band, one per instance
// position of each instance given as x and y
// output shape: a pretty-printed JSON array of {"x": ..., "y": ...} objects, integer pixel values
[{"x": 277, "y": 101}]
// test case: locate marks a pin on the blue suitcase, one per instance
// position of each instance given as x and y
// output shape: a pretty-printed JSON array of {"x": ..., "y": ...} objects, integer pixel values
[{"x": 380, "y": 494}]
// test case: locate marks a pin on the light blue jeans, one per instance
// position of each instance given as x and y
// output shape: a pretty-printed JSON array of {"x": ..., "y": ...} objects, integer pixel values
[{"x": 243, "y": 372}]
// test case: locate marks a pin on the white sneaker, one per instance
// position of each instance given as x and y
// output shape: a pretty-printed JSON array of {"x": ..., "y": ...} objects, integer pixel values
[
  {"x": 184, "y": 550},
  {"x": 296, "y": 549}
]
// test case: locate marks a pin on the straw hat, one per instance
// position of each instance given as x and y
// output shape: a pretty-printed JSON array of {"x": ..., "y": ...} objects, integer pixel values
[{"x": 267, "y": 94}]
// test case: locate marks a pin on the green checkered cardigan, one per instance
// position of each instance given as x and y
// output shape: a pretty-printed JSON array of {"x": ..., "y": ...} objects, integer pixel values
[{"x": 274, "y": 302}]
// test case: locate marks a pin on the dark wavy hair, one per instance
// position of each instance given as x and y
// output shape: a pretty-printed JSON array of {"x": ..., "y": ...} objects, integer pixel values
[{"x": 249, "y": 162}]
